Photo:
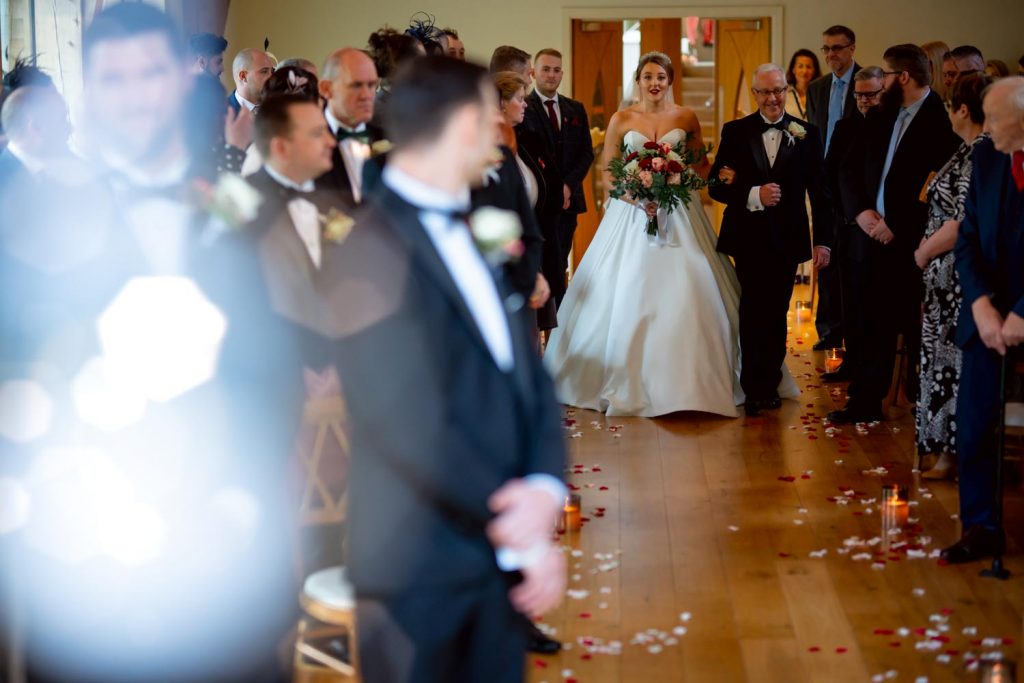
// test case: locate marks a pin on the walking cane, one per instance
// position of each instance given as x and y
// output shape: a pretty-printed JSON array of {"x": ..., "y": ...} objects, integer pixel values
[{"x": 997, "y": 570}]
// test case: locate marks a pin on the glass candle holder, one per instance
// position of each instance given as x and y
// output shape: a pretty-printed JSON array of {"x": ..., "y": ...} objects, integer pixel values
[
  {"x": 572, "y": 515},
  {"x": 1001, "y": 671},
  {"x": 833, "y": 360},
  {"x": 804, "y": 311}
]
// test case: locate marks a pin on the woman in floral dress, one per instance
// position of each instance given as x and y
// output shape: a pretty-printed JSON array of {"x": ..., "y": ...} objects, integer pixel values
[{"x": 940, "y": 357}]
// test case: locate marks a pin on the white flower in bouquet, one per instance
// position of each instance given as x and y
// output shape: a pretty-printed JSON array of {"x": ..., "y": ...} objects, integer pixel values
[
  {"x": 632, "y": 167},
  {"x": 497, "y": 234}
]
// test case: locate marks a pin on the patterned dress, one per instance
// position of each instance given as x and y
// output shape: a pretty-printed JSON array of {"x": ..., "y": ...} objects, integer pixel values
[{"x": 940, "y": 356}]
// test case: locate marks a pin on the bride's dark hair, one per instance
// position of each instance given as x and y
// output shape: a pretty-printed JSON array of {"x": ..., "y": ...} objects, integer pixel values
[{"x": 659, "y": 58}]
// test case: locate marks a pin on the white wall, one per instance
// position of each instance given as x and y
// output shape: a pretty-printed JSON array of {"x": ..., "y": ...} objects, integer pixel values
[{"x": 312, "y": 28}]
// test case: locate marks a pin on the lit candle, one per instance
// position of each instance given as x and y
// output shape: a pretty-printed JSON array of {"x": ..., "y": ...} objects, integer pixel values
[
  {"x": 572, "y": 518},
  {"x": 833, "y": 359},
  {"x": 1002, "y": 671},
  {"x": 803, "y": 311}
]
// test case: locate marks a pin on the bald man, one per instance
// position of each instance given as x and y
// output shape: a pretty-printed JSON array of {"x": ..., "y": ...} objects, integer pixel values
[
  {"x": 251, "y": 69},
  {"x": 349, "y": 85}
]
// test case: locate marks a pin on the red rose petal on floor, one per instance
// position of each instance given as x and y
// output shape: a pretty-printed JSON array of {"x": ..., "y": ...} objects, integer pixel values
[
  {"x": 884, "y": 632},
  {"x": 953, "y": 653},
  {"x": 940, "y": 639},
  {"x": 946, "y": 611},
  {"x": 595, "y": 469},
  {"x": 1007, "y": 641},
  {"x": 600, "y": 509},
  {"x": 841, "y": 650},
  {"x": 789, "y": 479},
  {"x": 857, "y": 513},
  {"x": 540, "y": 664},
  {"x": 814, "y": 649},
  {"x": 942, "y": 562},
  {"x": 584, "y": 615},
  {"x": 570, "y": 680},
  {"x": 805, "y": 476},
  {"x": 895, "y": 643},
  {"x": 976, "y": 643},
  {"x": 812, "y": 437},
  {"x": 586, "y": 655},
  {"x": 584, "y": 519},
  {"x": 784, "y": 555},
  {"x": 602, "y": 488},
  {"x": 920, "y": 631}
]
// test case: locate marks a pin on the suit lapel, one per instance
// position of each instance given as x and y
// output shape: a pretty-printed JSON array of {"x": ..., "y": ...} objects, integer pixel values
[
  {"x": 757, "y": 145},
  {"x": 406, "y": 221},
  {"x": 786, "y": 149},
  {"x": 850, "y": 103}
]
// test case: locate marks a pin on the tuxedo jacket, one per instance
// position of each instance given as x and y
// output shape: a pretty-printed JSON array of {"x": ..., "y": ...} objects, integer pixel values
[
  {"x": 437, "y": 427},
  {"x": 533, "y": 148},
  {"x": 337, "y": 178},
  {"x": 818, "y": 94},
  {"x": 781, "y": 231},
  {"x": 990, "y": 244},
  {"x": 570, "y": 147},
  {"x": 927, "y": 144}
]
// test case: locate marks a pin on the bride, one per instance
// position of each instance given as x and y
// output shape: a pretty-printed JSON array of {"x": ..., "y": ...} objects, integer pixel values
[{"x": 649, "y": 326}]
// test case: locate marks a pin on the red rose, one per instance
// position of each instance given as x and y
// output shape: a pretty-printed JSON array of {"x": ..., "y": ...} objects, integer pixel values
[
  {"x": 652, "y": 145},
  {"x": 645, "y": 163},
  {"x": 631, "y": 157},
  {"x": 675, "y": 167}
]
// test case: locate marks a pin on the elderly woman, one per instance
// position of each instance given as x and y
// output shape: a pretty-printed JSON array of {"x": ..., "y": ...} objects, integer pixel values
[{"x": 940, "y": 357}]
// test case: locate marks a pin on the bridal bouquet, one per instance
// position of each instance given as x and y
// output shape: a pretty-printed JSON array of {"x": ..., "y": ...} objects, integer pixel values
[{"x": 659, "y": 173}]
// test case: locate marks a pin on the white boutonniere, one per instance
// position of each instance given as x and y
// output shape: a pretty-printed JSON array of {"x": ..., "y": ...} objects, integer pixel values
[
  {"x": 794, "y": 131},
  {"x": 380, "y": 147},
  {"x": 232, "y": 200},
  {"x": 336, "y": 225},
  {"x": 497, "y": 234}
]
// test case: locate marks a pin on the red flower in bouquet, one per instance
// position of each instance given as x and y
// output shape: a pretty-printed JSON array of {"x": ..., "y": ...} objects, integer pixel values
[{"x": 659, "y": 173}]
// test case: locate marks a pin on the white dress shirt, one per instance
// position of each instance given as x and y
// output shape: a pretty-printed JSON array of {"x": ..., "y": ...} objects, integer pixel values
[
  {"x": 558, "y": 109},
  {"x": 244, "y": 102},
  {"x": 353, "y": 153},
  {"x": 304, "y": 214},
  {"x": 454, "y": 244},
  {"x": 772, "y": 141}
]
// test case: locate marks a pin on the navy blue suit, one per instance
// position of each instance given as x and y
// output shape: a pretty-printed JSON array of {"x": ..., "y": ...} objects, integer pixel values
[{"x": 989, "y": 254}]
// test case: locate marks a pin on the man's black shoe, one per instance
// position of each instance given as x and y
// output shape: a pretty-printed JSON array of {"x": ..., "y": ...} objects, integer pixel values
[
  {"x": 539, "y": 643},
  {"x": 976, "y": 544},
  {"x": 840, "y": 375},
  {"x": 849, "y": 416},
  {"x": 752, "y": 407},
  {"x": 772, "y": 403}
]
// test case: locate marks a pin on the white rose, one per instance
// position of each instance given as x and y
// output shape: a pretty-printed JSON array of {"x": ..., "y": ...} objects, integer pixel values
[
  {"x": 632, "y": 167},
  {"x": 234, "y": 197},
  {"x": 494, "y": 228},
  {"x": 672, "y": 156}
]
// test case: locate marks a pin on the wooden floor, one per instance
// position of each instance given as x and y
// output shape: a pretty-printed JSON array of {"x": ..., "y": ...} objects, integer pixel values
[{"x": 726, "y": 550}]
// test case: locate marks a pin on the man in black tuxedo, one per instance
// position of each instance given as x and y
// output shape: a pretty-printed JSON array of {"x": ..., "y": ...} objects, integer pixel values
[
  {"x": 772, "y": 162},
  {"x": 830, "y": 99},
  {"x": 250, "y": 69},
  {"x": 989, "y": 254},
  {"x": 349, "y": 86},
  {"x": 905, "y": 140},
  {"x": 867, "y": 87},
  {"x": 451, "y": 511},
  {"x": 563, "y": 123}
]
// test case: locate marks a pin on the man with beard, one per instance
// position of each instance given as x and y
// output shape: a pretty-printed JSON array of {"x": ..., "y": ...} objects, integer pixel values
[{"x": 901, "y": 144}]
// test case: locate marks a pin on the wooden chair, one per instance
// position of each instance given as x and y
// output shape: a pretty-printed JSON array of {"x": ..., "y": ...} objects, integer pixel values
[{"x": 327, "y": 598}]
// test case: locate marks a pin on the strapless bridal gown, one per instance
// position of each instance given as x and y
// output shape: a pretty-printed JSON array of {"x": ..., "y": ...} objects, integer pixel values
[{"x": 650, "y": 326}]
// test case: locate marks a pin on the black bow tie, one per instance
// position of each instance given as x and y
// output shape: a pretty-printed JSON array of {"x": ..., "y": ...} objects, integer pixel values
[
  {"x": 343, "y": 134},
  {"x": 777, "y": 126}
]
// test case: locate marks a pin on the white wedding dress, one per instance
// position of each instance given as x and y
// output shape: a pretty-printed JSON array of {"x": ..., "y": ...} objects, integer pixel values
[{"x": 650, "y": 326}]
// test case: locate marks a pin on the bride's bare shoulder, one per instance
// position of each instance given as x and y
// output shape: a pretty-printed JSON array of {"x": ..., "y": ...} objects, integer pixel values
[{"x": 686, "y": 118}]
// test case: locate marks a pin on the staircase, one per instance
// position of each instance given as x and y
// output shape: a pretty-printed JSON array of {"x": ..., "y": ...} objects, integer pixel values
[{"x": 698, "y": 88}]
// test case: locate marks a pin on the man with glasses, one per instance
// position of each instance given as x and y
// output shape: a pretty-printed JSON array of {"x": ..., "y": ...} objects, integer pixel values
[
  {"x": 867, "y": 88},
  {"x": 830, "y": 99},
  {"x": 769, "y": 162},
  {"x": 905, "y": 140}
]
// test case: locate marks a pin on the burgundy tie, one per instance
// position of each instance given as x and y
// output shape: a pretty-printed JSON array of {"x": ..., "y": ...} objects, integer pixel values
[
  {"x": 1017, "y": 162},
  {"x": 550, "y": 104}
]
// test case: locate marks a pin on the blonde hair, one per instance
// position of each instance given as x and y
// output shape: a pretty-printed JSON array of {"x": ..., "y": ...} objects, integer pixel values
[
  {"x": 936, "y": 50},
  {"x": 508, "y": 84}
]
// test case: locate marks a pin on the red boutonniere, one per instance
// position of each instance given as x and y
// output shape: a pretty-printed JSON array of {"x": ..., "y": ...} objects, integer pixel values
[{"x": 541, "y": 163}]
